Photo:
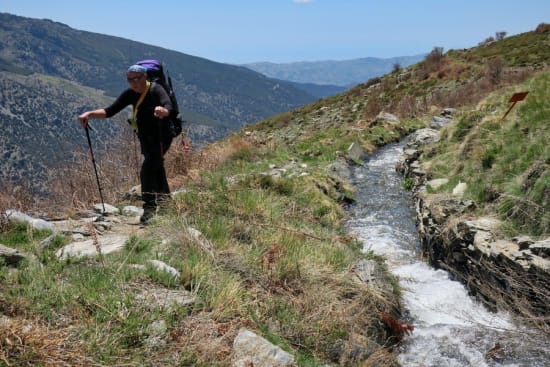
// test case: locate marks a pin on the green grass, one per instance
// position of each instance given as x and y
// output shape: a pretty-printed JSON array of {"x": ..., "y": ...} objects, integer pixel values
[{"x": 504, "y": 161}]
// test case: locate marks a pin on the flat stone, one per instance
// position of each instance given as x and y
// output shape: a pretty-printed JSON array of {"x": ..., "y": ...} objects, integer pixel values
[
  {"x": 107, "y": 245},
  {"x": 109, "y": 209},
  {"x": 541, "y": 248},
  {"x": 437, "y": 183},
  {"x": 165, "y": 299},
  {"x": 484, "y": 223},
  {"x": 250, "y": 349}
]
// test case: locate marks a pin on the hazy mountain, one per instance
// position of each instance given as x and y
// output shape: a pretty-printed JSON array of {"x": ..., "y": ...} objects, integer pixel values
[
  {"x": 318, "y": 90},
  {"x": 344, "y": 73},
  {"x": 51, "y": 72}
]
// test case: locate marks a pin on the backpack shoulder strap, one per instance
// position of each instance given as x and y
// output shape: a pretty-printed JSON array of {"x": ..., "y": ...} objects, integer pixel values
[{"x": 136, "y": 107}]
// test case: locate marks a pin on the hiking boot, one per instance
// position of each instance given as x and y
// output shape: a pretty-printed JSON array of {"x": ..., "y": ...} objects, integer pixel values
[
  {"x": 148, "y": 214},
  {"x": 165, "y": 203}
]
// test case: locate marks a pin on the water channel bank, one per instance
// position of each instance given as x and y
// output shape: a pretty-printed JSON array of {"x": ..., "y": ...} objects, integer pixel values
[{"x": 451, "y": 327}]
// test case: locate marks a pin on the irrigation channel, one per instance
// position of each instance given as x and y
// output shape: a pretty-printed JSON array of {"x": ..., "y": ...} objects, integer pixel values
[{"x": 451, "y": 328}]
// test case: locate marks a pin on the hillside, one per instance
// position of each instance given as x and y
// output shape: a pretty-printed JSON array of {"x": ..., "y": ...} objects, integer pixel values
[
  {"x": 318, "y": 90},
  {"x": 37, "y": 120},
  {"x": 77, "y": 67},
  {"x": 255, "y": 233},
  {"x": 227, "y": 94},
  {"x": 344, "y": 73}
]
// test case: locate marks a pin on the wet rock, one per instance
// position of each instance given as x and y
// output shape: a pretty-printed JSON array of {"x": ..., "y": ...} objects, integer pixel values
[
  {"x": 340, "y": 168},
  {"x": 355, "y": 152},
  {"x": 422, "y": 137},
  {"x": 370, "y": 273},
  {"x": 503, "y": 272}
]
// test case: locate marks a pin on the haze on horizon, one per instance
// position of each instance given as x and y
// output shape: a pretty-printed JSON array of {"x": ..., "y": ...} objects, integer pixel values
[{"x": 283, "y": 31}]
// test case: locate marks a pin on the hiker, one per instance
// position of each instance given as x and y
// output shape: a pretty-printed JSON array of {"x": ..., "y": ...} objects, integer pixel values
[{"x": 151, "y": 107}]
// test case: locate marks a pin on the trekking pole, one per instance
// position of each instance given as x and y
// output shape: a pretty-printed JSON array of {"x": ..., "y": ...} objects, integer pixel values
[
  {"x": 136, "y": 161},
  {"x": 87, "y": 128}
]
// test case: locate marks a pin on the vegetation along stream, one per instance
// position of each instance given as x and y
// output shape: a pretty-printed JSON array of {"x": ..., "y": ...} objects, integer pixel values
[{"x": 451, "y": 328}]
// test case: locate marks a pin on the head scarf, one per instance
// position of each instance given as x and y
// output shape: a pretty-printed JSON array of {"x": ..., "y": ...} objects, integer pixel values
[{"x": 137, "y": 69}]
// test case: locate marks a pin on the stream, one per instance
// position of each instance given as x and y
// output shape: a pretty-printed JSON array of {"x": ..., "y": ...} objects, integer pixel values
[{"x": 451, "y": 328}]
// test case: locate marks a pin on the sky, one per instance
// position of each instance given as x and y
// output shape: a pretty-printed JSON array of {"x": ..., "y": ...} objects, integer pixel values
[{"x": 283, "y": 31}]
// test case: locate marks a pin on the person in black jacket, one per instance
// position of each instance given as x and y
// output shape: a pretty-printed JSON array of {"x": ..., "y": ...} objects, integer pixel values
[{"x": 151, "y": 106}]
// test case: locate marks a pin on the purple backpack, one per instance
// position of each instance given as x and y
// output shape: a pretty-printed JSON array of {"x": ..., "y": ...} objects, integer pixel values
[{"x": 155, "y": 73}]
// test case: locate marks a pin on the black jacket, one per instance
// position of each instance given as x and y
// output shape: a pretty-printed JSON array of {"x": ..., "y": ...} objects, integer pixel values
[{"x": 150, "y": 128}]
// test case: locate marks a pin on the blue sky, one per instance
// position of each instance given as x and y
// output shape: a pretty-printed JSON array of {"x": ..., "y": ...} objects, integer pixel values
[{"x": 241, "y": 31}]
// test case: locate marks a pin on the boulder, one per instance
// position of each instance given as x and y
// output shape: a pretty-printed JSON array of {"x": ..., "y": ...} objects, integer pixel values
[
  {"x": 250, "y": 349},
  {"x": 355, "y": 152},
  {"x": 10, "y": 256},
  {"x": 88, "y": 248},
  {"x": 14, "y": 215}
]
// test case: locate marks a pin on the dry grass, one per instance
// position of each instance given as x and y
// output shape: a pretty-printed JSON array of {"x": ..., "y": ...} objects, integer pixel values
[
  {"x": 74, "y": 186},
  {"x": 210, "y": 341},
  {"x": 33, "y": 343},
  {"x": 526, "y": 294}
]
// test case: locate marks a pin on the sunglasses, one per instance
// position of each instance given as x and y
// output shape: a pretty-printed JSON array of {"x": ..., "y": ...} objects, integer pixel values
[{"x": 134, "y": 79}]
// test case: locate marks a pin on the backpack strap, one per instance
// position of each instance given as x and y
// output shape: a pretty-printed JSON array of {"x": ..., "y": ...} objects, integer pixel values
[{"x": 136, "y": 107}]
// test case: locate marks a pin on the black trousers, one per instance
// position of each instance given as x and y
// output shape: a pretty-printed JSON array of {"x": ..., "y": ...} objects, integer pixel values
[{"x": 154, "y": 185}]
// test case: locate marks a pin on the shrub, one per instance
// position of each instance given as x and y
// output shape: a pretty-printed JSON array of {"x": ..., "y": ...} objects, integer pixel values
[{"x": 495, "y": 67}]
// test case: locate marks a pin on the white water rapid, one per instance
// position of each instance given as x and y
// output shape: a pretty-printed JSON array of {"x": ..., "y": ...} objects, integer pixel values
[{"x": 451, "y": 328}]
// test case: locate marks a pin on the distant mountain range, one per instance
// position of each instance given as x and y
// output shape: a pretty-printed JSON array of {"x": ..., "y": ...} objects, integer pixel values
[{"x": 346, "y": 73}]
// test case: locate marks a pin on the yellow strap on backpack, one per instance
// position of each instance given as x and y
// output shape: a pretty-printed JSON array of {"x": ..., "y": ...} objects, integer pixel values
[{"x": 134, "y": 118}]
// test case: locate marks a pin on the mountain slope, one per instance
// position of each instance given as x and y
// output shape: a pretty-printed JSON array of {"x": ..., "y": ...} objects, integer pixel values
[
  {"x": 51, "y": 73},
  {"x": 229, "y": 94},
  {"x": 344, "y": 73},
  {"x": 318, "y": 90},
  {"x": 38, "y": 124}
]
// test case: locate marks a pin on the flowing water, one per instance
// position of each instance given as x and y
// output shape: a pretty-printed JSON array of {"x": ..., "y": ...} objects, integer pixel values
[{"x": 451, "y": 328}]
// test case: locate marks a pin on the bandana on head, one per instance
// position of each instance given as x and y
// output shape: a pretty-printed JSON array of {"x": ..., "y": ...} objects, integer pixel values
[{"x": 137, "y": 69}]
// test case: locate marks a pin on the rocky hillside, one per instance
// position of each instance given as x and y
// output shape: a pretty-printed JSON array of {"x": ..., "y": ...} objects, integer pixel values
[
  {"x": 483, "y": 182},
  {"x": 39, "y": 128},
  {"x": 482, "y": 189}
]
